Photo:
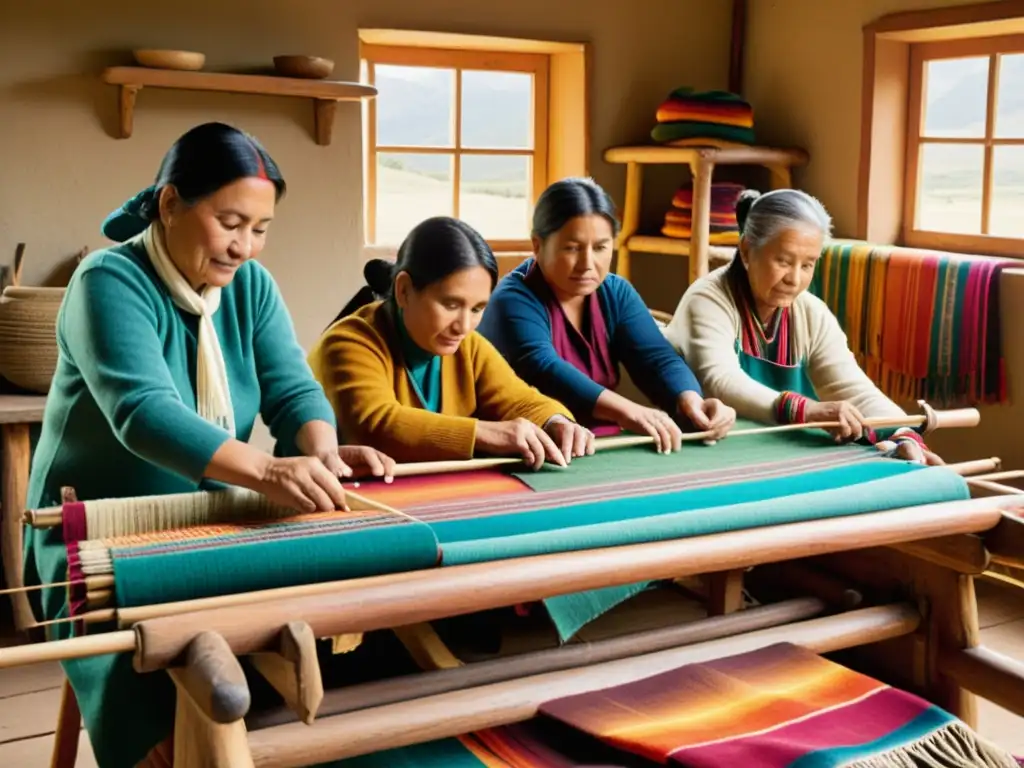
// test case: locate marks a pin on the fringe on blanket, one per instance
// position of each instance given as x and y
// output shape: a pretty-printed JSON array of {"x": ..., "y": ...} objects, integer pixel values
[{"x": 953, "y": 746}]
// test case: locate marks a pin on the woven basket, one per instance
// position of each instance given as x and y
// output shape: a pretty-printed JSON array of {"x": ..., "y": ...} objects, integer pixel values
[{"x": 28, "y": 336}]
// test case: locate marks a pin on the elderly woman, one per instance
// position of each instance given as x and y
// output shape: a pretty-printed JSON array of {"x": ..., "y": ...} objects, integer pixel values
[
  {"x": 774, "y": 352},
  {"x": 170, "y": 345},
  {"x": 565, "y": 324},
  {"x": 410, "y": 375}
]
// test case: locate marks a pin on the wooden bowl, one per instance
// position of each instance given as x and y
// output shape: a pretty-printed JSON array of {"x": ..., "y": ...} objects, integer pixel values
[
  {"x": 165, "y": 59},
  {"x": 308, "y": 67}
]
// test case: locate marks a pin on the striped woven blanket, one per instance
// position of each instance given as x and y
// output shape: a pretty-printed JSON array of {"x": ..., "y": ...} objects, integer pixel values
[
  {"x": 778, "y": 707},
  {"x": 922, "y": 324}
]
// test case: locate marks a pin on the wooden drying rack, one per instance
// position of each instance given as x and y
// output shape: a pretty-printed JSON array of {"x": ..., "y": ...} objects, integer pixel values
[{"x": 325, "y": 93}]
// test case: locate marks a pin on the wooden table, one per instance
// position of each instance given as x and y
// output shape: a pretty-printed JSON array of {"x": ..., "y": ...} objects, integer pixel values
[{"x": 17, "y": 414}]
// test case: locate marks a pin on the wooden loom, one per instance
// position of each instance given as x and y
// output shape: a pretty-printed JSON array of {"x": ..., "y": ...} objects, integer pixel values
[{"x": 921, "y": 615}]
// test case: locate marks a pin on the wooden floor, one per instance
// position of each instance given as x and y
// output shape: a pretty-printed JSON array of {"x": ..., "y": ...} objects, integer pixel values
[{"x": 30, "y": 696}]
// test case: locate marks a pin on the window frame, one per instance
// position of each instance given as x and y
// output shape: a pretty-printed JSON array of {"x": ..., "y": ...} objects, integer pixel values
[
  {"x": 920, "y": 54},
  {"x": 537, "y": 64}
]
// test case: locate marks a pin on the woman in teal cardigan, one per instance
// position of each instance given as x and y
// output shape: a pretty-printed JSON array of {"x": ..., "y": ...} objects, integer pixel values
[{"x": 170, "y": 345}]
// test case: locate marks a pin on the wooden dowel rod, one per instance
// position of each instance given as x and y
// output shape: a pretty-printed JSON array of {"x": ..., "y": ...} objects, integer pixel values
[
  {"x": 72, "y": 648},
  {"x": 975, "y": 466},
  {"x": 362, "y": 605},
  {"x": 1011, "y": 474},
  {"x": 963, "y": 417},
  {"x": 989, "y": 674},
  {"x": 405, "y": 688},
  {"x": 489, "y": 706},
  {"x": 988, "y": 485}
]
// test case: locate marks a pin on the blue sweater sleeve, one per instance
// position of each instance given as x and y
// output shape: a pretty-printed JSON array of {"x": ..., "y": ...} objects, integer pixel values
[
  {"x": 517, "y": 324},
  {"x": 108, "y": 327},
  {"x": 289, "y": 394},
  {"x": 651, "y": 361}
]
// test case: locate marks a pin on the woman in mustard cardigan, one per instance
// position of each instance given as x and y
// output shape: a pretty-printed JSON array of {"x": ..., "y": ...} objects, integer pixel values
[{"x": 410, "y": 376}]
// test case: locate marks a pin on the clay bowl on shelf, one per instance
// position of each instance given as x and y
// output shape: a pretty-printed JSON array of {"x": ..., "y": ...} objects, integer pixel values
[
  {"x": 308, "y": 67},
  {"x": 166, "y": 59}
]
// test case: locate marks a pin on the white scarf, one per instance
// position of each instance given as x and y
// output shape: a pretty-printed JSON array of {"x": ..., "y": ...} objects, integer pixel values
[{"x": 213, "y": 396}]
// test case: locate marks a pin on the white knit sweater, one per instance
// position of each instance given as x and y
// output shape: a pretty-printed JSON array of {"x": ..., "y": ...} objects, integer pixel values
[{"x": 706, "y": 327}]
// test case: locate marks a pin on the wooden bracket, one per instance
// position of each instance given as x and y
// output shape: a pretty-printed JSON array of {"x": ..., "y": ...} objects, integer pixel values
[
  {"x": 294, "y": 671},
  {"x": 213, "y": 699}
]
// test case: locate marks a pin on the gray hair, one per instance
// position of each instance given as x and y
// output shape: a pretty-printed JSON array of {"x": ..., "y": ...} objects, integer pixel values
[{"x": 762, "y": 217}]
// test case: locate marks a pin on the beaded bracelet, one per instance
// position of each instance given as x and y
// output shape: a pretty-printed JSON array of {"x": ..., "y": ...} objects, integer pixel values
[{"x": 790, "y": 408}]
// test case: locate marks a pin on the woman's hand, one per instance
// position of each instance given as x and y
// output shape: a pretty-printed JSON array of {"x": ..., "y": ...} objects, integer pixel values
[
  {"x": 909, "y": 450},
  {"x": 707, "y": 415},
  {"x": 303, "y": 483},
  {"x": 667, "y": 435},
  {"x": 520, "y": 437},
  {"x": 360, "y": 461},
  {"x": 572, "y": 439},
  {"x": 852, "y": 423}
]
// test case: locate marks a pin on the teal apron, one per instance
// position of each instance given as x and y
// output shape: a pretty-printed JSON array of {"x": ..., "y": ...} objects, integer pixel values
[{"x": 781, "y": 378}]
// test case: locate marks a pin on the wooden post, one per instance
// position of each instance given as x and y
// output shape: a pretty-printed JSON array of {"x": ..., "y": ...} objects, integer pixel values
[
  {"x": 16, "y": 448},
  {"x": 630, "y": 216},
  {"x": 702, "y": 168}
]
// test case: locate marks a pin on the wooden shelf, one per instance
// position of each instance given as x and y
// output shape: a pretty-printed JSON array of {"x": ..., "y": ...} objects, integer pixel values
[
  {"x": 325, "y": 93},
  {"x": 660, "y": 154},
  {"x": 702, "y": 162},
  {"x": 674, "y": 246}
]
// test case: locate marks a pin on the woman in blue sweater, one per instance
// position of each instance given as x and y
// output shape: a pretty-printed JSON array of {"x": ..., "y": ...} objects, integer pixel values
[
  {"x": 565, "y": 324},
  {"x": 171, "y": 344}
]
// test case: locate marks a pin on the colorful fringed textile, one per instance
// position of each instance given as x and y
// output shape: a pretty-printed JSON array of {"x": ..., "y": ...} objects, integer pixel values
[
  {"x": 922, "y": 324},
  {"x": 717, "y": 116},
  {"x": 723, "y": 227},
  {"x": 779, "y": 707}
]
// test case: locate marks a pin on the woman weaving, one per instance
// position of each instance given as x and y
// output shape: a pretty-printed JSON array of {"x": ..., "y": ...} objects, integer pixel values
[
  {"x": 757, "y": 339},
  {"x": 410, "y": 375},
  {"x": 171, "y": 344},
  {"x": 564, "y": 324}
]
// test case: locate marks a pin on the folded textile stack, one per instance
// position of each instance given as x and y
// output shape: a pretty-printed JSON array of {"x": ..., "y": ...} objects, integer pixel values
[
  {"x": 704, "y": 119},
  {"x": 724, "y": 229}
]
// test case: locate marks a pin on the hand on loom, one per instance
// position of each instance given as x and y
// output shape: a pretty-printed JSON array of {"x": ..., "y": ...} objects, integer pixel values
[
  {"x": 518, "y": 437},
  {"x": 571, "y": 438},
  {"x": 303, "y": 483},
  {"x": 707, "y": 415},
  {"x": 853, "y": 424},
  {"x": 912, "y": 451},
  {"x": 362, "y": 460},
  {"x": 667, "y": 435}
]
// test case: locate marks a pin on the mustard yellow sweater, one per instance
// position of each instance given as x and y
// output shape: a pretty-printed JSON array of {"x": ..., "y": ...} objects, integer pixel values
[{"x": 358, "y": 361}]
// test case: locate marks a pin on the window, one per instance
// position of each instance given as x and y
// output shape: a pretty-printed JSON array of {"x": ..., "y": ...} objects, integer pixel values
[
  {"x": 459, "y": 133},
  {"x": 965, "y": 146}
]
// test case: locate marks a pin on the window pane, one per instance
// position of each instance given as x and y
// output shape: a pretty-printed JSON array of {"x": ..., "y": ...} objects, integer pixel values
[
  {"x": 415, "y": 106},
  {"x": 1006, "y": 218},
  {"x": 956, "y": 94},
  {"x": 497, "y": 110},
  {"x": 493, "y": 195},
  {"x": 949, "y": 198},
  {"x": 1010, "y": 97},
  {"x": 411, "y": 188}
]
